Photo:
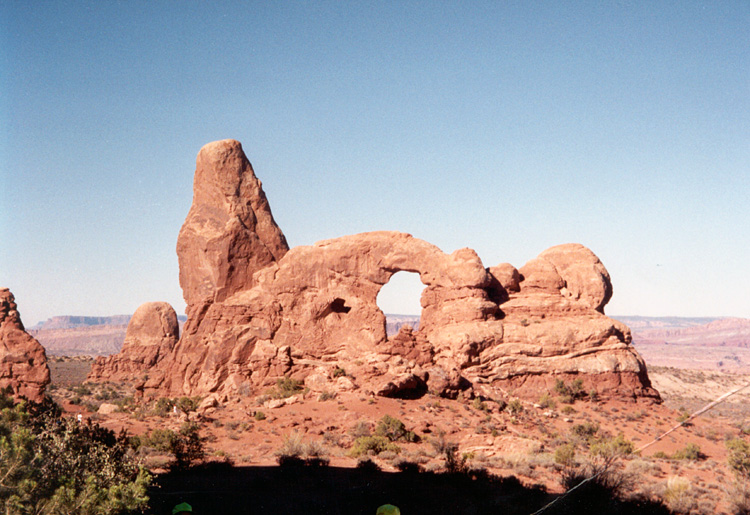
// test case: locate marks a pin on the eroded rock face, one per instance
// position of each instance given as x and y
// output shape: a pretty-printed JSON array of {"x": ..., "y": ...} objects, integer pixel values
[
  {"x": 152, "y": 334},
  {"x": 257, "y": 312},
  {"x": 229, "y": 232},
  {"x": 23, "y": 362}
]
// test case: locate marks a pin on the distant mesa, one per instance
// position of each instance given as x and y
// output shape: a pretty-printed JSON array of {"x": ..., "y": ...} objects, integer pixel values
[
  {"x": 72, "y": 322},
  {"x": 258, "y": 311},
  {"x": 23, "y": 362}
]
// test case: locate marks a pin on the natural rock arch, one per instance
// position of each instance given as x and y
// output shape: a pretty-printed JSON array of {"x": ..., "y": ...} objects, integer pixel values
[{"x": 258, "y": 310}]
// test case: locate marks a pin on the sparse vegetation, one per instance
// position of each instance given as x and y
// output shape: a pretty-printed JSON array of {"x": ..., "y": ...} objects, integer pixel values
[
  {"x": 690, "y": 452},
  {"x": 365, "y": 445},
  {"x": 514, "y": 407},
  {"x": 569, "y": 392},
  {"x": 52, "y": 464},
  {"x": 285, "y": 388},
  {"x": 394, "y": 430},
  {"x": 739, "y": 456}
]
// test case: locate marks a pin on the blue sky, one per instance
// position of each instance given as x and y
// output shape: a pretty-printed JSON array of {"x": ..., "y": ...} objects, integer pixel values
[{"x": 507, "y": 127}]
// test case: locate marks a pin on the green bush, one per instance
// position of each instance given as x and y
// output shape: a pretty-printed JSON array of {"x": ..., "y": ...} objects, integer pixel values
[
  {"x": 612, "y": 447},
  {"x": 286, "y": 387},
  {"x": 587, "y": 430},
  {"x": 52, "y": 464},
  {"x": 514, "y": 407},
  {"x": 569, "y": 392},
  {"x": 187, "y": 446},
  {"x": 394, "y": 430},
  {"x": 739, "y": 456},
  {"x": 377, "y": 444},
  {"x": 546, "y": 401},
  {"x": 565, "y": 455},
  {"x": 690, "y": 452}
]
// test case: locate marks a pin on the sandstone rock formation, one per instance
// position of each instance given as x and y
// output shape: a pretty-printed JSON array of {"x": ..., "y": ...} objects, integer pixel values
[
  {"x": 151, "y": 335},
  {"x": 258, "y": 311},
  {"x": 23, "y": 363},
  {"x": 229, "y": 232}
]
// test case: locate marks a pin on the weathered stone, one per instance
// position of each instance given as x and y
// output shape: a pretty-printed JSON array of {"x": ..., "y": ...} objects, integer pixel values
[
  {"x": 151, "y": 335},
  {"x": 23, "y": 362},
  {"x": 257, "y": 312},
  {"x": 229, "y": 233}
]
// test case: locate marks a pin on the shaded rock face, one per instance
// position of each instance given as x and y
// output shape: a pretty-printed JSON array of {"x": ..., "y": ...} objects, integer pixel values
[
  {"x": 23, "y": 363},
  {"x": 258, "y": 311},
  {"x": 152, "y": 334}
]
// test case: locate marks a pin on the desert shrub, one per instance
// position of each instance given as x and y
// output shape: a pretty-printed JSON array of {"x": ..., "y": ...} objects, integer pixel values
[
  {"x": 286, "y": 387},
  {"x": 546, "y": 401},
  {"x": 162, "y": 407},
  {"x": 738, "y": 496},
  {"x": 565, "y": 455},
  {"x": 394, "y": 430},
  {"x": 259, "y": 415},
  {"x": 292, "y": 446},
  {"x": 739, "y": 456},
  {"x": 454, "y": 463},
  {"x": 377, "y": 444},
  {"x": 81, "y": 390},
  {"x": 160, "y": 439},
  {"x": 677, "y": 494},
  {"x": 361, "y": 428},
  {"x": 478, "y": 404},
  {"x": 187, "y": 446},
  {"x": 690, "y": 452},
  {"x": 51, "y": 464},
  {"x": 567, "y": 410},
  {"x": 569, "y": 392},
  {"x": 514, "y": 407},
  {"x": 339, "y": 372},
  {"x": 187, "y": 404},
  {"x": 586, "y": 431},
  {"x": 327, "y": 396},
  {"x": 612, "y": 447}
]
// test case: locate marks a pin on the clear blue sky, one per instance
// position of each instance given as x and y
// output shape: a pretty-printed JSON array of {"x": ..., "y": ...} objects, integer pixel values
[{"x": 507, "y": 127}]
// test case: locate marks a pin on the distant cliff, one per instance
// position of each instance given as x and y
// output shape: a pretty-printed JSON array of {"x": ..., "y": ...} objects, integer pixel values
[
  {"x": 70, "y": 322},
  {"x": 83, "y": 335}
]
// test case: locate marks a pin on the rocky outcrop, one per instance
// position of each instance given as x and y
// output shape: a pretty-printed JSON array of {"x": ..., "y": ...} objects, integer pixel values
[
  {"x": 23, "y": 363},
  {"x": 151, "y": 336},
  {"x": 229, "y": 232},
  {"x": 258, "y": 311}
]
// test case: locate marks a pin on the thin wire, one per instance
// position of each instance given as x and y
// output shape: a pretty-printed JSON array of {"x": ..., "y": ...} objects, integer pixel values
[{"x": 701, "y": 411}]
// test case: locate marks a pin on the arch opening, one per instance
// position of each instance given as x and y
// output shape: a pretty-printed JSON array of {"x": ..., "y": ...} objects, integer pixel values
[{"x": 399, "y": 300}]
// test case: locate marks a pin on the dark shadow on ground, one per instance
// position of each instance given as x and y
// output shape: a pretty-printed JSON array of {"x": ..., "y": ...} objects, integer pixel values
[{"x": 297, "y": 489}]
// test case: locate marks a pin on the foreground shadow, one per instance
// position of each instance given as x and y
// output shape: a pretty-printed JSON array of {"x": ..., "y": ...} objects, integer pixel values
[{"x": 297, "y": 489}]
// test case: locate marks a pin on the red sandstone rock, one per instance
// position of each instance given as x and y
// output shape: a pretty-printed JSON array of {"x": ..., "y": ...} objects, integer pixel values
[
  {"x": 23, "y": 362},
  {"x": 257, "y": 312},
  {"x": 151, "y": 335},
  {"x": 229, "y": 233}
]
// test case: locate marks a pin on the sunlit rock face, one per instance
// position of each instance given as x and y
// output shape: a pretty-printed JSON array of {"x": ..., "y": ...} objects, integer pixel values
[
  {"x": 258, "y": 311},
  {"x": 151, "y": 336},
  {"x": 23, "y": 362}
]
